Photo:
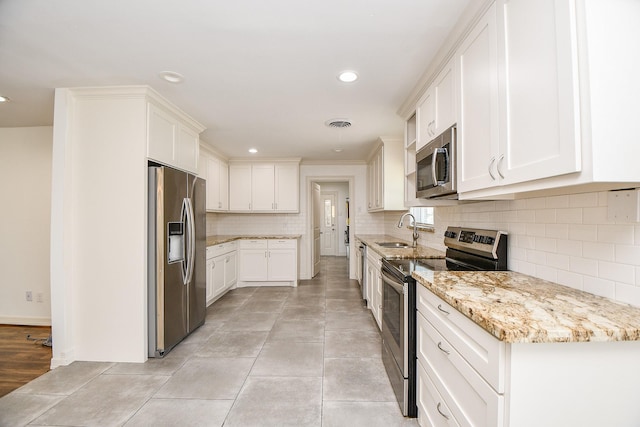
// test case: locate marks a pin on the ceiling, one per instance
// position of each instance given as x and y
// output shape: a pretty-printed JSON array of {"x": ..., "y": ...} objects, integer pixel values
[{"x": 256, "y": 73}]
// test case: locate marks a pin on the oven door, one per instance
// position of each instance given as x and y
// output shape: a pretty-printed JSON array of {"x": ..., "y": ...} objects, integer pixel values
[{"x": 394, "y": 321}]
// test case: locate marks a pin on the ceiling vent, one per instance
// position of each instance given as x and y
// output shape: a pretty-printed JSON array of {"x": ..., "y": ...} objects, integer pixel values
[{"x": 338, "y": 123}]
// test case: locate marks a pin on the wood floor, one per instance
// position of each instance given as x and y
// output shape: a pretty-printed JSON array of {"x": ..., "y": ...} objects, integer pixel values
[{"x": 22, "y": 360}]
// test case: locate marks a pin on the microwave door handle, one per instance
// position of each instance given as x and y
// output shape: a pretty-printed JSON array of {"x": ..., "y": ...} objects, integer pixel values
[
  {"x": 436, "y": 153},
  {"x": 433, "y": 167}
]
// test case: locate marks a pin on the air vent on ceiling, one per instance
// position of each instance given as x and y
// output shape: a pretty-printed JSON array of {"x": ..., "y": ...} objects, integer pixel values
[{"x": 338, "y": 123}]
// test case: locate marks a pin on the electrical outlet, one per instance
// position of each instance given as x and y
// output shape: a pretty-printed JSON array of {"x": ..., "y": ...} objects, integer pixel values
[
  {"x": 39, "y": 297},
  {"x": 29, "y": 296}
]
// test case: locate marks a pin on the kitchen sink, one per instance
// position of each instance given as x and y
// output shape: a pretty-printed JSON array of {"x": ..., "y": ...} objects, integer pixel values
[{"x": 395, "y": 245}]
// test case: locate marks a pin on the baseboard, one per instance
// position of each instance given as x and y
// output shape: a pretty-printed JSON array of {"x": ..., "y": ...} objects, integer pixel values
[{"x": 25, "y": 321}]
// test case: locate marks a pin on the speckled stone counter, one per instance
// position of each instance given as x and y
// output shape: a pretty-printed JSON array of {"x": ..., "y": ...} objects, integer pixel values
[
  {"x": 517, "y": 308},
  {"x": 216, "y": 240},
  {"x": 402, "y": 253}
]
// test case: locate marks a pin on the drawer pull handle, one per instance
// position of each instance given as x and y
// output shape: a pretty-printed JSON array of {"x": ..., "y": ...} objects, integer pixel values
[
  {"x": 447, "y": 352},
  {"x": 446, "y": 417},
  {"x": 442, "y": 309}
]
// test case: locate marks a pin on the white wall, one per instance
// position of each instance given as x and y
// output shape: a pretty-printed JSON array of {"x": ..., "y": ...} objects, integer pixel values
[
  {"x": 564, "y": 239},
  {"x": 25, "y": 218}
]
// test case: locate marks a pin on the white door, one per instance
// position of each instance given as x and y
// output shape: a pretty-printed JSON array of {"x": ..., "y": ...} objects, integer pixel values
[
  {"x": 328, "y": 227},
  {"x": 317, "y": 214}
]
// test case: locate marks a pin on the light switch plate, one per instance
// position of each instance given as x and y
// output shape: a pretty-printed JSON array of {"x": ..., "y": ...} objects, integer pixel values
[{"x": 623, "y": 206}]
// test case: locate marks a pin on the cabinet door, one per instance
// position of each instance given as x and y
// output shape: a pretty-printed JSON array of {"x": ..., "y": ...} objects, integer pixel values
[
  {"x": 187, "y": 149},
  {"x": 161, "y": 134},
  {"x": 253, "y": 265},
  {"x": 538, "y": 90},
  {"x": 282, "y": 264},
  {"x": 213, "y": 184},
  {"x": 478, "y": 138},
  {"x": 444, "y": 100},
  {"x": 224, "y": 186},
  {"x": 240, "y": 187},
  {"x": 262, "y": 186},
  {"x": 425, "y": 120},
  {"x": 230, "y": 269},
  {"x": 209, "y": 285},
  {"x": 286, "y": 187},
  {"x": 218, "y": 275}
]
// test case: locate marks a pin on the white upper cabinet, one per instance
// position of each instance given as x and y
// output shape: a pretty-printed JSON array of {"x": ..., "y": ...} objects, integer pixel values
[
  {"x": 216, "y": 171},
  {"x": 478, "y": 142},
  {"x": 436, "y": 110},
  {"x": 385, "y": 175},
  {"x": 171, "y": 138},
  {"x": 538, "y": 90},
  {"x": 264, "y": 187}
]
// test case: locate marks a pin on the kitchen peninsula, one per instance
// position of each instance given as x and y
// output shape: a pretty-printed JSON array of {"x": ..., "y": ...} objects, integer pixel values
[{"x": 507, "y": 349}]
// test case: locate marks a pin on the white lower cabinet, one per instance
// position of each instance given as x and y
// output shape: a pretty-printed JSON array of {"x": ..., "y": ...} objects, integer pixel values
[
  {"x": 374, "y": 286},
  {"x": 221, "y": 269},
  {"x": 468, "y": 377},
  {"x": 268, "y": 262}
]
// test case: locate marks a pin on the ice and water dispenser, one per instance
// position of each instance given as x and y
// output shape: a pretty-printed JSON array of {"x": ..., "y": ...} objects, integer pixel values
[{"x": 175, "y": 233}]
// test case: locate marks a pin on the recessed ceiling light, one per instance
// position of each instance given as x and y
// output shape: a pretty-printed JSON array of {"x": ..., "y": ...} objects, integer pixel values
[
  {"x": 253, "y": 150},
  {"x": 348, "y": 76},
  {"x": 171, "y": 77},
  {"x": 338, "y": 150},
  {"x": 4, "y": 98}
]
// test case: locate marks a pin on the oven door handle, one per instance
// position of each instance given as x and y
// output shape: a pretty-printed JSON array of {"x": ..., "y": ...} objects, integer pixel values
[{"x": 393, "y": 282}]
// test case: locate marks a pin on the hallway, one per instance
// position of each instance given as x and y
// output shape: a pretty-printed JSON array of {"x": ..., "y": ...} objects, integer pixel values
[{"x": 269, "y": 356}]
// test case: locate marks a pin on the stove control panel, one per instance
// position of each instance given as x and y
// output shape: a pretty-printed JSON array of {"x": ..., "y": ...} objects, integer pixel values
[{"x": 478, "y": 241}]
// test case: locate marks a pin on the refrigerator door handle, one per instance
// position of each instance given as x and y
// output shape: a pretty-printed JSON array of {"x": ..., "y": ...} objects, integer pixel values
[{"x": 191, "y": 241}]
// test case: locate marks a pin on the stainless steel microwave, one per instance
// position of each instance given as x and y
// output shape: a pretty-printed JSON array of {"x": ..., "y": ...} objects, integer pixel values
[{"x": 436, "y": 167}]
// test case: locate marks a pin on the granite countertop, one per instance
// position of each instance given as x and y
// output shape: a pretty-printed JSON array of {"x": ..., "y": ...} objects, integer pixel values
[
  {"x": 216, "y": 240},
  {"x": 400, "y": 253},
  {"x": 517, "y": 308}
]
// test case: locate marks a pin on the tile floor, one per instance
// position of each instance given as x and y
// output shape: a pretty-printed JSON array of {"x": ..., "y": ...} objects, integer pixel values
[{"x": 305, "y": 356}]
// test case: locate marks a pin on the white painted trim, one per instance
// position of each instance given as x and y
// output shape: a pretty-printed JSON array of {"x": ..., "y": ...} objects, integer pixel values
[
  {"x": 25, "y": 321},
  {"x": 351, "y": 179}
]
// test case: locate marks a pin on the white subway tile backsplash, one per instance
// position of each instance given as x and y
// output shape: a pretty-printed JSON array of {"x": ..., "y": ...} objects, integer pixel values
[
  {"x": 557, "y": 231},
  {"x": 616, "y": 272},
  {"x": 536, "y": 257},
  {"x": 600, "y": 251},
  {"x": 597, "y": 215},
  {"x": 587, "y": 233},
  {"x": 583, "y": 200},
  {"x": 570, "y": 247},
  {"x": 569, "y": 216},
  {"x": 615, "y": 233},
  {"x": 535, "y": 203},
  {"x": 627, "y": 293},
  {"x": 583, "y": 266},
  {"x": 557, "y": 202},
  {"x": 561, "y": 262},
  {"x": 573, "y": 280},
  {"x": 546, "y": 244},
  {"x": 627, "y": 254},
  {"x": 537, "y": 230},
  {"x": 602, "y": 287},
  {"x": 545, "y": 216},
  {"x": 547, "y": 273}
]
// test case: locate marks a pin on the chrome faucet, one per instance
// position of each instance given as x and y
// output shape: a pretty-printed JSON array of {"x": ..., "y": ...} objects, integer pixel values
[{"x": 415, "y": 228}]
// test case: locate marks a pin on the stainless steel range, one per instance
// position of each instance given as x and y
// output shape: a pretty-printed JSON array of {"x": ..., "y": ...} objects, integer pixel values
[{"x": 468, "y": 249}]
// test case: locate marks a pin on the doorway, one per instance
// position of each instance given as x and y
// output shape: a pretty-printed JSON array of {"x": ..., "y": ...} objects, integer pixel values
[{"x": 330, "y": 219}]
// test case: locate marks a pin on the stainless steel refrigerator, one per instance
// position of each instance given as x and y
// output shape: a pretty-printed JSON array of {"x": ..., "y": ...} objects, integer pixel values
[{"x": 177, "y": 257}]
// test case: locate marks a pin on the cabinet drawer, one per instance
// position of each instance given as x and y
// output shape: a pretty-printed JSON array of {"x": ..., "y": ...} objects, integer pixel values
[
  {"x": 221, "y": 249},
  {"x": 253, "y": 244},
  {"x": 432, "y": 409},
  {"x": 481, "y": 350},
  {"x": 282, "y": 244},
  {"x": 471, "y": 400}
]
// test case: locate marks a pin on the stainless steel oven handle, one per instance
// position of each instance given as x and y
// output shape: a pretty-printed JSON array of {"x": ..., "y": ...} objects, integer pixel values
[{"x": 392, "y": 281}]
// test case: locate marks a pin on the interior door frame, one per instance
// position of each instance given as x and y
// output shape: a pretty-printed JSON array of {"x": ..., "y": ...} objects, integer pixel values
[{"x": 351, "y": 179}]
